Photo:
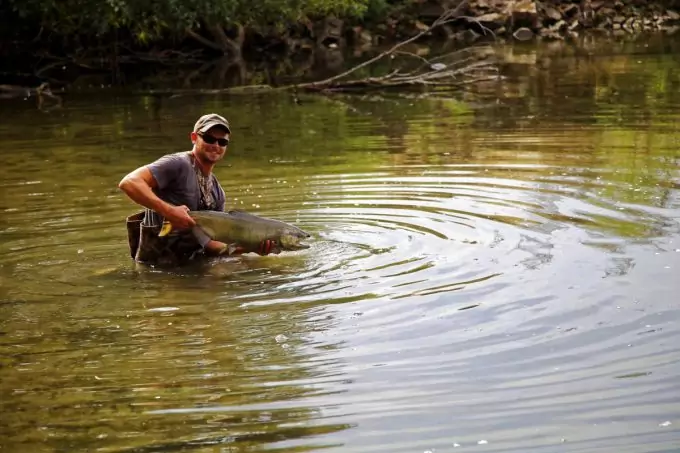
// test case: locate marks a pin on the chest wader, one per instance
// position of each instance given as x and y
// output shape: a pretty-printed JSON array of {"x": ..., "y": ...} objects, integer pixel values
[
  {"x": 146, "y": 247},
  {"x": 178, "y": 247}
]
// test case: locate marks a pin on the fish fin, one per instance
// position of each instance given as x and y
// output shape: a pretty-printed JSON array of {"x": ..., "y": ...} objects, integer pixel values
[
  {"x": 166, "y": 229},
  {"x": 234, "y": 248}
]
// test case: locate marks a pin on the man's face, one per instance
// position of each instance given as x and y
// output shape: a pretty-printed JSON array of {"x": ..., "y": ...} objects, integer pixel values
[{"x": 207, "y": 145}]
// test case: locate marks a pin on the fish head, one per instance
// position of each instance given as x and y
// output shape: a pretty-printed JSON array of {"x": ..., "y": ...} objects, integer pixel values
[{"x": 291, "y": 239}]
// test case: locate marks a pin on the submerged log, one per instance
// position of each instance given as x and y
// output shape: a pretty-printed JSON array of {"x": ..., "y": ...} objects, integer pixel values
[{"x": 42, "y": 93}]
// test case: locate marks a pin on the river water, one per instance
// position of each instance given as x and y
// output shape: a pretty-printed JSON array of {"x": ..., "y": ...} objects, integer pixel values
[{"x": 496, "y": 277}]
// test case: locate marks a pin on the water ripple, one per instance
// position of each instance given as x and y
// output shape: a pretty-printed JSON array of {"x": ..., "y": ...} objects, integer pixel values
[{"x": 511, "y": 290}]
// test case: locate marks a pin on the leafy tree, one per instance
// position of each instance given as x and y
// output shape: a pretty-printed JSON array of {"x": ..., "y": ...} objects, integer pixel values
[{"x": 153, "y": 20}]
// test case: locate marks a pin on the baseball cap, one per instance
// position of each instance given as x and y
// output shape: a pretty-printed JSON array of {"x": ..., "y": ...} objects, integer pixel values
[{"x": 211, "y": 120}]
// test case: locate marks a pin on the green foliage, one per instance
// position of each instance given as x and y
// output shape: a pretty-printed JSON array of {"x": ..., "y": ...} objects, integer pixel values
[
  {"x": 378, "y": 9},
  {"x": 154, "y": 18}
]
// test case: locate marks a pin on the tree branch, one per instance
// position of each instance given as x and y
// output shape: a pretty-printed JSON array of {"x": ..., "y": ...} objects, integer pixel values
[
  {"x": 448, "y": 16},
  {"x": 206, "y": 42}
]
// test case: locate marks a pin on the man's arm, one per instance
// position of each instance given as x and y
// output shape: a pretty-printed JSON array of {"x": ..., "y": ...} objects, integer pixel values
[{"x": 139, "y": 185}]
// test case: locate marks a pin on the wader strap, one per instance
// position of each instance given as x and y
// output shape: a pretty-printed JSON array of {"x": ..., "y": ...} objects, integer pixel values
[{"x": 133, "y": 224}]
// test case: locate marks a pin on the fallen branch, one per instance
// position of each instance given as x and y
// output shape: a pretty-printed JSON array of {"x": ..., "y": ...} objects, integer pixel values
[
  {"x": 461, "y": 67},
  {"x": 446, "y": 17},
  {"x": 454, "y": 69}
]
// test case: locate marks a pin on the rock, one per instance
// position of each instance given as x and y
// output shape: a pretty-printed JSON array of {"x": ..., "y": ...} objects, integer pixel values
[
  {"x": 569, "y": 10},
  {"x": 329, "y": 31},
  {"x": 672, "y": 15},
  {"x": 587, "y": 18},
  {"x": 471, "y": 35},
  {"x": 552, "y": 13},
  {"x": 445, "y": 31},
  {"x": 420, "y": 26},
  {"x": 365, "y": 38},
  {"x": 492, "y": 18},
  {"x": 559, "y": 26},
  {"x": 606, "y": 22},
  {"x": 467, "y": 35},
  {"x": 523, "y": 34},
  {"x": 631, "y": 25},
  {"x": 422, "y": 51},
  {"x": 545, "y": 31},
  {"x": 523, "y": 13},
  {"x": 619, "y": 19},
  {"x": 586, "y": 21}
]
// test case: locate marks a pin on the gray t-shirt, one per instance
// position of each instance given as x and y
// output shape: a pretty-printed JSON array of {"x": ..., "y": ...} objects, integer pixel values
[{"x": 178, "y": 185}]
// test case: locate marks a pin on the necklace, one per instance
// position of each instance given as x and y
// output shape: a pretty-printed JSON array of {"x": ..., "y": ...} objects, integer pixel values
[{"x": 205, "y": 185}]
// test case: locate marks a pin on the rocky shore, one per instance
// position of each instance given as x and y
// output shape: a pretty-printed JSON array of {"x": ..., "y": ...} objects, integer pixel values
[
  {"x": 556, "y": 19},
  {"x": 527, "y": 19}
]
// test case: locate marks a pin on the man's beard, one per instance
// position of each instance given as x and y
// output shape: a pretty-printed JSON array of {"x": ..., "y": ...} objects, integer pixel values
[{"x": 209, "y": 157}]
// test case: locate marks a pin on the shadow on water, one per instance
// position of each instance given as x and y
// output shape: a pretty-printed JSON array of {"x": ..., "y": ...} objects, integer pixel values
[{"x": 499, "y": 274}]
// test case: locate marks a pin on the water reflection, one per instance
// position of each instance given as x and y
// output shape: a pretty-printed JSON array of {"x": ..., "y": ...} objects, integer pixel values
[{"x": 502, "y": 274}]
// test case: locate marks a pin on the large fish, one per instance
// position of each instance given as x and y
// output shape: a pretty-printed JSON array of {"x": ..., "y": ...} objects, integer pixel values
[{"x": 241, "y": 230}]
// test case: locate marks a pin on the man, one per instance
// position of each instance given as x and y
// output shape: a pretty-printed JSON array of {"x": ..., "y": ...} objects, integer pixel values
[{"x": 172, "y": 186}]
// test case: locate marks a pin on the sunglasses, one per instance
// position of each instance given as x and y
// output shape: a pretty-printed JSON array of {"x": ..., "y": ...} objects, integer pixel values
[{"x": 210, "y": 140}]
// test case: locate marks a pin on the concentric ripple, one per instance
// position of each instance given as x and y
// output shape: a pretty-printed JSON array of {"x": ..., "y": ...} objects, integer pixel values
[{"x": 414, "y": 231}]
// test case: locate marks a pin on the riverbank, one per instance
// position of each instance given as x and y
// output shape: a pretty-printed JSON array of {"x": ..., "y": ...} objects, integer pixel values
[
  {"x": 551, "y": 19},
  {"x": 260, "y": 54}
]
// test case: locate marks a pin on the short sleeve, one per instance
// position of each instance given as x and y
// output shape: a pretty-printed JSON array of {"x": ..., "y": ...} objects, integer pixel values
[{"x": 166, "y": 169}]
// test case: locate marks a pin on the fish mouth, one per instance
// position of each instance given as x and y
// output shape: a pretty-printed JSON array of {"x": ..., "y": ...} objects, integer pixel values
[
  {"x": 304, "y": 236},
  {"x": 294, "y": 241},
  {"x": 298, "y": 246}
]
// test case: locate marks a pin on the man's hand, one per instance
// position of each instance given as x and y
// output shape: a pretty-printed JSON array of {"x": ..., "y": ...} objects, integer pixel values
[
  {"x": 179, "y": 217},
  {"x": 266, "y": 247}
]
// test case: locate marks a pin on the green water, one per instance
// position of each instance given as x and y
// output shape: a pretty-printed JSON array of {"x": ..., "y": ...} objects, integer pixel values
[{"x": 498, "y": 277}]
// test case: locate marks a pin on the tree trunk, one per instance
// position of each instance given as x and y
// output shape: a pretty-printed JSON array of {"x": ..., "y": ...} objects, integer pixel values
[
  {"x": 229, "y": 46},
  {"x": 221, "y": 41}
]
